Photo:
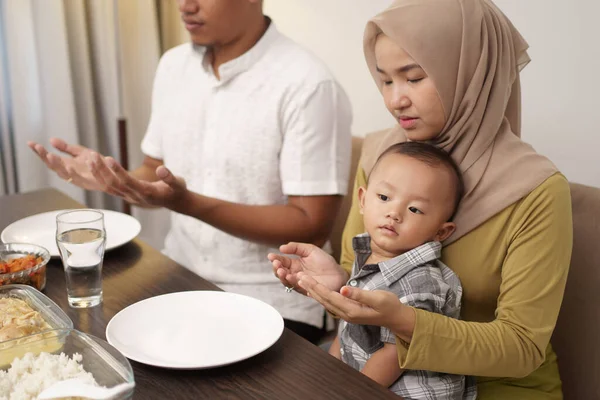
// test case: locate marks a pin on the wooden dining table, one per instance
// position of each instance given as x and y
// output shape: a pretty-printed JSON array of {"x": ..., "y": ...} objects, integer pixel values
[{"x": 292, "y": 368}]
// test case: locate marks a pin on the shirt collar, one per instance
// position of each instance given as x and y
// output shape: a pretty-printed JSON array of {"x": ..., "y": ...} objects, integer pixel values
[
  {"x": 395, "y": 268},
  {"x": 232, "y": 68}
]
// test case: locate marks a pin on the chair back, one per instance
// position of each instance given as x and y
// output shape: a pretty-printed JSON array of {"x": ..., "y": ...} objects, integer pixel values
[{"x": 576, "y": 338}]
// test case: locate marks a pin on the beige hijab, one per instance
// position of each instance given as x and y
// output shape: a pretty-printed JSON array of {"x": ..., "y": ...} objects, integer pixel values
[{"x": 473, "y": 54}]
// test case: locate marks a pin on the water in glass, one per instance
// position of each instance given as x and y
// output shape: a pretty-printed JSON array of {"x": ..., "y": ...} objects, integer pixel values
[{"x": 82, "y": 251}]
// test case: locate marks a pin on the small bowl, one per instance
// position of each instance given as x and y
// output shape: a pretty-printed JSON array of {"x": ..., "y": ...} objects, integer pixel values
[
  {"x": 108, "y": 366},
  {"x": 34, "y": 276}
]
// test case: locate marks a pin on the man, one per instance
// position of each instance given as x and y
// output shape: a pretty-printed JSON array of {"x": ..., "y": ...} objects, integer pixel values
[{"x": 248, "y": 144}]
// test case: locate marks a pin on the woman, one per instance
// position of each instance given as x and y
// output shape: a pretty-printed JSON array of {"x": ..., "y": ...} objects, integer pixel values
[{"x": 448, "y": 71}]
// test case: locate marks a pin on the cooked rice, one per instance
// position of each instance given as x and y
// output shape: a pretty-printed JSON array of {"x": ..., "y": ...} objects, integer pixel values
[{"x": 30, "y": 375}]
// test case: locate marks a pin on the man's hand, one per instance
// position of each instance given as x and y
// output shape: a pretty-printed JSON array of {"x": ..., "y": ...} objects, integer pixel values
[
  {"x": 73, "y": 166},
  {"x": 308, "y": 259},
  {"x": 168, "y": 191}
]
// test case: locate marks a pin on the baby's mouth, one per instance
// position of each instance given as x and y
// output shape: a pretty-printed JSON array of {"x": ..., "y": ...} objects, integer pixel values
[{"x": 388, "y": 228}]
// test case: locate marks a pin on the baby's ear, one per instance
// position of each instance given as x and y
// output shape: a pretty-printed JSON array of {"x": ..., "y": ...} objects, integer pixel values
[
  {"x": 361, "y": 198},
  {"x": 445, "y": 231}
]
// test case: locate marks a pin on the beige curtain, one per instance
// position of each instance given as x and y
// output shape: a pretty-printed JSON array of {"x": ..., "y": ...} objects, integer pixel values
[
  {"x": 172, "y": 31},
  {"x": 70, "y": 69}
]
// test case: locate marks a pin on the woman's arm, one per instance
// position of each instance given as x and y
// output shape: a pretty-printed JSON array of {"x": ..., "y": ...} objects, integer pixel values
[{"x": 534, "y": 274}]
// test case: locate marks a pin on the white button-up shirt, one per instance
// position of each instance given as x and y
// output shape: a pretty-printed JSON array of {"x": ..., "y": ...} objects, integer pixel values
[{"x": 275, "y": 124}]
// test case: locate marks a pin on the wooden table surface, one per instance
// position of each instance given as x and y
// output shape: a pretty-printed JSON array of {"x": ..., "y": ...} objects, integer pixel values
[{"x": 291, "y": 369}]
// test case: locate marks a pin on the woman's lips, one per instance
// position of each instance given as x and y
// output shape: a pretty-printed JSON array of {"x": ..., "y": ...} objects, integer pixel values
[{"x": 407, "y": 123}]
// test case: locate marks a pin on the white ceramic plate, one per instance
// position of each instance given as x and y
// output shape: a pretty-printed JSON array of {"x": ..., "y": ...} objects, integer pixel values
[
  {"x": 40, "y": 229},
  {"x": 194, "y": 330}
]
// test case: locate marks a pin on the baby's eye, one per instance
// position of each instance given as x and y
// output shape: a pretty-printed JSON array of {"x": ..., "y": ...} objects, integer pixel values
[
  {"x": 383, "y": 197},
  {"x": 415, "y": 210}
]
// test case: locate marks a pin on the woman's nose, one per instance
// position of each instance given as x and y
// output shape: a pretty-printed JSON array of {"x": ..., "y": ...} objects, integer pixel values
[{"x": 400, "y": 100}]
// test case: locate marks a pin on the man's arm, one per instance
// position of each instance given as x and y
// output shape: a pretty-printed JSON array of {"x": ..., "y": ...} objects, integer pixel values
[
  {"x": 314, "y": 166},
  {"x": 306, "y": 219},
  {"x": 383, "y": 366}
]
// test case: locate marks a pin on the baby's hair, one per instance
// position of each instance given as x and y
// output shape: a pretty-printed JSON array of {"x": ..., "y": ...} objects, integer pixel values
[{"x": 430, "y": 155}]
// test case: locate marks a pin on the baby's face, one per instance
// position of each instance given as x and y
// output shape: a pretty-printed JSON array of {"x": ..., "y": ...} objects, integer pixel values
[{"x": 407, "y": 203}]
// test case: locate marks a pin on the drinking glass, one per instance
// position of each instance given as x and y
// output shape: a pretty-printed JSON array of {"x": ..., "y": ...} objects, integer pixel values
[{"x": 81, "y": 238}]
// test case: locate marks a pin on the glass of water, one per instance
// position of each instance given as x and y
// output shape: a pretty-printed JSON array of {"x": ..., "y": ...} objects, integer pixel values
[{"x": 81, "y": 238}]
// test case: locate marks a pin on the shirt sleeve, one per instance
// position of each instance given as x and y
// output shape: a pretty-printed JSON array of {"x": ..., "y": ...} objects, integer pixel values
[
  {"x": 152, "y": 142},
  {"x": 354, "y": 223},
  {"x": 534, "y": 274},
  {"x": 317, "y": 144}
]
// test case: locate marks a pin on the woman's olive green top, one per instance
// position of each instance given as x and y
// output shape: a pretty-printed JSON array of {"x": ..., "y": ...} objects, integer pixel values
[{"x": 513, "y": 269}]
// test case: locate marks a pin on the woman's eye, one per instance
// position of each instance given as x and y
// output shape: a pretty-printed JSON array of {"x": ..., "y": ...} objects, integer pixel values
[
  {"x": 383, "y": 197},
  {"x": 415, "y": 80},
  {"x": 415, "y": 210},
  {"x": 387, "y": 83}
]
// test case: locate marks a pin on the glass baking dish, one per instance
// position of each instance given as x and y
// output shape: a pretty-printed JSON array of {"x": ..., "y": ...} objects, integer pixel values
[
  {"x": 107, "y": 365},
  {"x": 49, "y": 311}
]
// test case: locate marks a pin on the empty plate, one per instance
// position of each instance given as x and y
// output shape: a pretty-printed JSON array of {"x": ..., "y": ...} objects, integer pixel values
[
  {"x": 194, "y": 330},
  {"x": 40, "y": 229}
]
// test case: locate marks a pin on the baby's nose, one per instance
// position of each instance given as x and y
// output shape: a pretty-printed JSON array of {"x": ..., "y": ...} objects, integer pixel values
[{"x": 394, "y": 215}]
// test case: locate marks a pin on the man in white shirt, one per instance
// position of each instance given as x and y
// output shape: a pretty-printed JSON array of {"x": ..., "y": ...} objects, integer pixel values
[{"x": 248, "y": 144}]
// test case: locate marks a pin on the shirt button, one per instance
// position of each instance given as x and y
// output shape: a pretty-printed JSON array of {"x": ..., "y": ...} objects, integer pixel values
[
  {"x": 342, "y": 351},
  {"x": 353, "y": 283}
]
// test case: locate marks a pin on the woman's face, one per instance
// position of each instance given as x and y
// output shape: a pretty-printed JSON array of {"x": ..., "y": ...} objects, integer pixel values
[{"x": 408, "y": 92}]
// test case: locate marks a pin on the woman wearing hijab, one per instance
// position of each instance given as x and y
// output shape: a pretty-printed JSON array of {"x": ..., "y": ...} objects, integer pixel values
[{"x": 449, "y": 72}]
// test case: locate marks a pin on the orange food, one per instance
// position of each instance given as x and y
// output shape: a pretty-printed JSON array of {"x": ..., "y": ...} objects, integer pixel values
[
  {"x": 19, "y": 264},
  {"x": 36, "y": 277}
]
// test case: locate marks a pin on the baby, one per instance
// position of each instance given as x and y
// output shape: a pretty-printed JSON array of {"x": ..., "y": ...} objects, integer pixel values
[{"x": 412, "y": 194}]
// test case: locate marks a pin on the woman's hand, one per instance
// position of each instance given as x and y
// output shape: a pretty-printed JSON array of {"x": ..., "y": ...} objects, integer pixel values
[
  {"x": 310, "y": 260},
  {"x": 363, "y": 307}
]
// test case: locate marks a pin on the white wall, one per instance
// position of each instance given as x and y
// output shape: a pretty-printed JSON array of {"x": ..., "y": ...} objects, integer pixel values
[
  {"x": 561, "y": 86},
  {"x": 333, "y": 30}
]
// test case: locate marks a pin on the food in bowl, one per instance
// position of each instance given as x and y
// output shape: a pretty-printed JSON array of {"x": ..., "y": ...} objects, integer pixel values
[
  {"x": 28, "y": 376},
  {"x": 23, "y": 305},
  {"x": 18, "y": 319},
  {"x": 35, "y": 276},
  {"x": 19, "y": 264},
  {"x": 22, "y": 263},
  {"x": 19, "y": 325},
  {"x": 106, "y": 364},
  {"x": 22, "y": 325}
]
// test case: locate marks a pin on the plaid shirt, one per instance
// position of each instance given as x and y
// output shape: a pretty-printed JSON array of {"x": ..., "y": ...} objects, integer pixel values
[{"x": 422, "y": 281}]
